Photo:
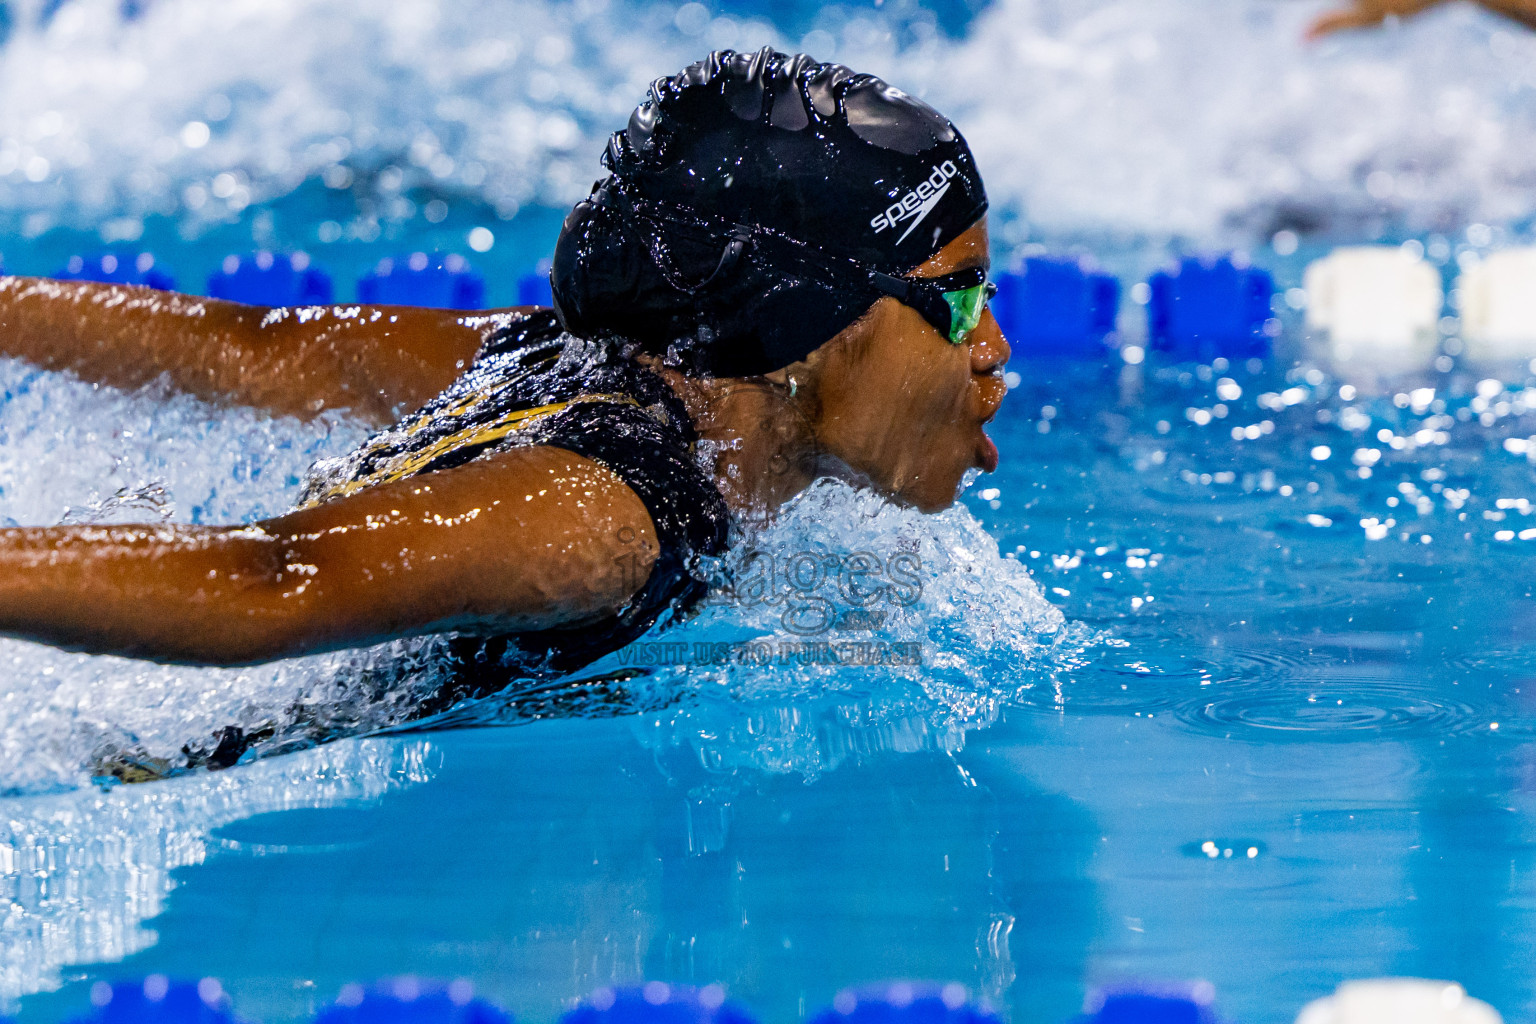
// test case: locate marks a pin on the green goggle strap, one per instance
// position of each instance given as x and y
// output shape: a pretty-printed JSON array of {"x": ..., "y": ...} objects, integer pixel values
[{"x": 953, "y": 311}]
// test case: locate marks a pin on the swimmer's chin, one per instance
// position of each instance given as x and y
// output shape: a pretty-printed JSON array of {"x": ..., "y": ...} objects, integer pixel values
[
  {"x": 935, "y": 505},
  {"x": 920, "y": 495},
  {"x": 929, "y": 505}
]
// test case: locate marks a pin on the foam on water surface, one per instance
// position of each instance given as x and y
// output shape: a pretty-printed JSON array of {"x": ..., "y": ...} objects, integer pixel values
[
  {"x": 983, "y": 630},
  {"x": 846, "y": 627},
  {"x": 1208, "y": 121},
  {"x": 928, "y": 630},
  {"x": 77, "y": 450},
  {"x": 81, "y": 872},
  {"x": 849, "y": 626},
  {"x": 1279, "y": 635},
  {"x": 73, "y": 452},
  {"x": 1212, "y": 122}
]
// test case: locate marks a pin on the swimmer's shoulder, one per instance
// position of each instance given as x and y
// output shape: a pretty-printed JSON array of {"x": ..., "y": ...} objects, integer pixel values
[
  {"x": 521, "y": 332},
  {"x": 530, "y": 354}
]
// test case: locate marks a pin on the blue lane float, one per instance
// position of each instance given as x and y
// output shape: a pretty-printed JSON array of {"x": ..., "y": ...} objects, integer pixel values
[
  {"x": 406, "y": 1000},
  {"x": 409, "y": 1001},
  {"x": 118, "y": 268},
  {"x": 158, "y": 1000},
  {"x": 657, "y": 1002},
  {"x": 1172, "y": 1003},
  {"x": 1201, "y": 308},
  {"x": 905, "y": 1002},
  {"x": 1057, "y": 307},
  {"x": 437, "y": 280},
  {"x": 271, "y": 279},
  {"x": 1198, "y": 309}
]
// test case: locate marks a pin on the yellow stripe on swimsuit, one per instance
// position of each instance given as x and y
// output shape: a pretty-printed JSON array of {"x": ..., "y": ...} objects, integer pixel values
[{"x": 476, "y": 435}]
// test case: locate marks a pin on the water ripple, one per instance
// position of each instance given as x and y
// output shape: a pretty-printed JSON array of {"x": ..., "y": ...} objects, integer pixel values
[
  {"x": 1134, "y": 681},
  {"x": 1344, "y": 710}
]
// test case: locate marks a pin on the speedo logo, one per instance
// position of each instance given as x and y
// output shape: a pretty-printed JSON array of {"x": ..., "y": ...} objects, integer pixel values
[{"x": 918, "y": 203}]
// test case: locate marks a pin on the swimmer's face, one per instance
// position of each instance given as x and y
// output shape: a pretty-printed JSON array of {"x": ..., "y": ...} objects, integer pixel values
[{"x": 903, "y": 406}]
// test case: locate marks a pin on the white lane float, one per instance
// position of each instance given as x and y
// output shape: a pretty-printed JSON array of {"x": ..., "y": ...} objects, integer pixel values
[
  {"x": 1376, "y": 305},
  {"x": 1498, "y": 306},
  {"x": 1399, "y": 1001}
]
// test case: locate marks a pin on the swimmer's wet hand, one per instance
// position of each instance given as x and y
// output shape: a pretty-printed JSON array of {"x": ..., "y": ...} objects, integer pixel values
[
  {"x": 1365, "y": 14},
  {"x": 1368, "y": 13}
]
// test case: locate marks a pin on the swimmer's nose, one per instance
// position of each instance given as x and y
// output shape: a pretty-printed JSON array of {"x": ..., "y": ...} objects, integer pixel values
[{"x": 989, "y": 349}]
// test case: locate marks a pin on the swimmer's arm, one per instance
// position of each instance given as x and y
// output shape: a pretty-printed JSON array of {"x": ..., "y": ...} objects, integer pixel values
[
  {"x": 531, "y": 539},
  {"x": 1523, "y": 11},
  {"x": 1366, "y": 13},
  {"x": 377, "y": 361}
]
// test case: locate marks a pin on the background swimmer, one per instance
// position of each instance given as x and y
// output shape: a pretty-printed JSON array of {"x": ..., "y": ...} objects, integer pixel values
[
  {"x": 1365, "y": 13},
  {"x": 787, "y": 262}
]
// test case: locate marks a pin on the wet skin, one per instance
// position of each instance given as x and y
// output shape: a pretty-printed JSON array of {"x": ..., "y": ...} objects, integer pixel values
[
  {"x": 1366, "y": 13},
  {"x": 889, "y": 403},
  {"x": 899, "y": 404},
  {"x": 375, "y": 361},
  {"x": 528, "y": 539}
]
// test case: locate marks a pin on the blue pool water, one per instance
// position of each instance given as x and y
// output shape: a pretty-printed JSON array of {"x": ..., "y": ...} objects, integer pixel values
[
  {"x": 1028, "y": 813},
  {"x": 1145, "y": 642}
]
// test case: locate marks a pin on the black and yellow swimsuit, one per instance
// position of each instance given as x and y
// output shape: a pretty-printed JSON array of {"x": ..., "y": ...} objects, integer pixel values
[{"x": 531, "y": 384}]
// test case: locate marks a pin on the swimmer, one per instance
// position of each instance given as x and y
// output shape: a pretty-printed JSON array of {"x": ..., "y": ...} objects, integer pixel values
[
  {"x": 1366, "y": 13},
  {"x": 783, "y": 275}
]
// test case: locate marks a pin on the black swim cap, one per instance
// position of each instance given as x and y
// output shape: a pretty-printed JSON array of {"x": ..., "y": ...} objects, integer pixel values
[{"x": 740, "y": 195}]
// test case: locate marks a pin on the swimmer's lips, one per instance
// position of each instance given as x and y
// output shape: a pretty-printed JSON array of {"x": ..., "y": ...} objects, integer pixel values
[{"x": 986, "y": 449}]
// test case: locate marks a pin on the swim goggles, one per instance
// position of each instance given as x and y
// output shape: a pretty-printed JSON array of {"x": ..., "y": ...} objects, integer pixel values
[{"x": 952, "y": 303}]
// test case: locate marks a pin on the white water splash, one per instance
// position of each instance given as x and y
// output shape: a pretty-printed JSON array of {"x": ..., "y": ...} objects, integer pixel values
[
  {"x": 81, "y": 872},
  {"x": 1208, "y": 120},
  {"x": 71, "y": 450},
  {"x": 783, "y": 670},
  {"x": 504, "y": 100},
  {"x": 980, "y": 625},
  {"x": 68, "y": 447},
  {"x": 1213, "y": 120}
]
